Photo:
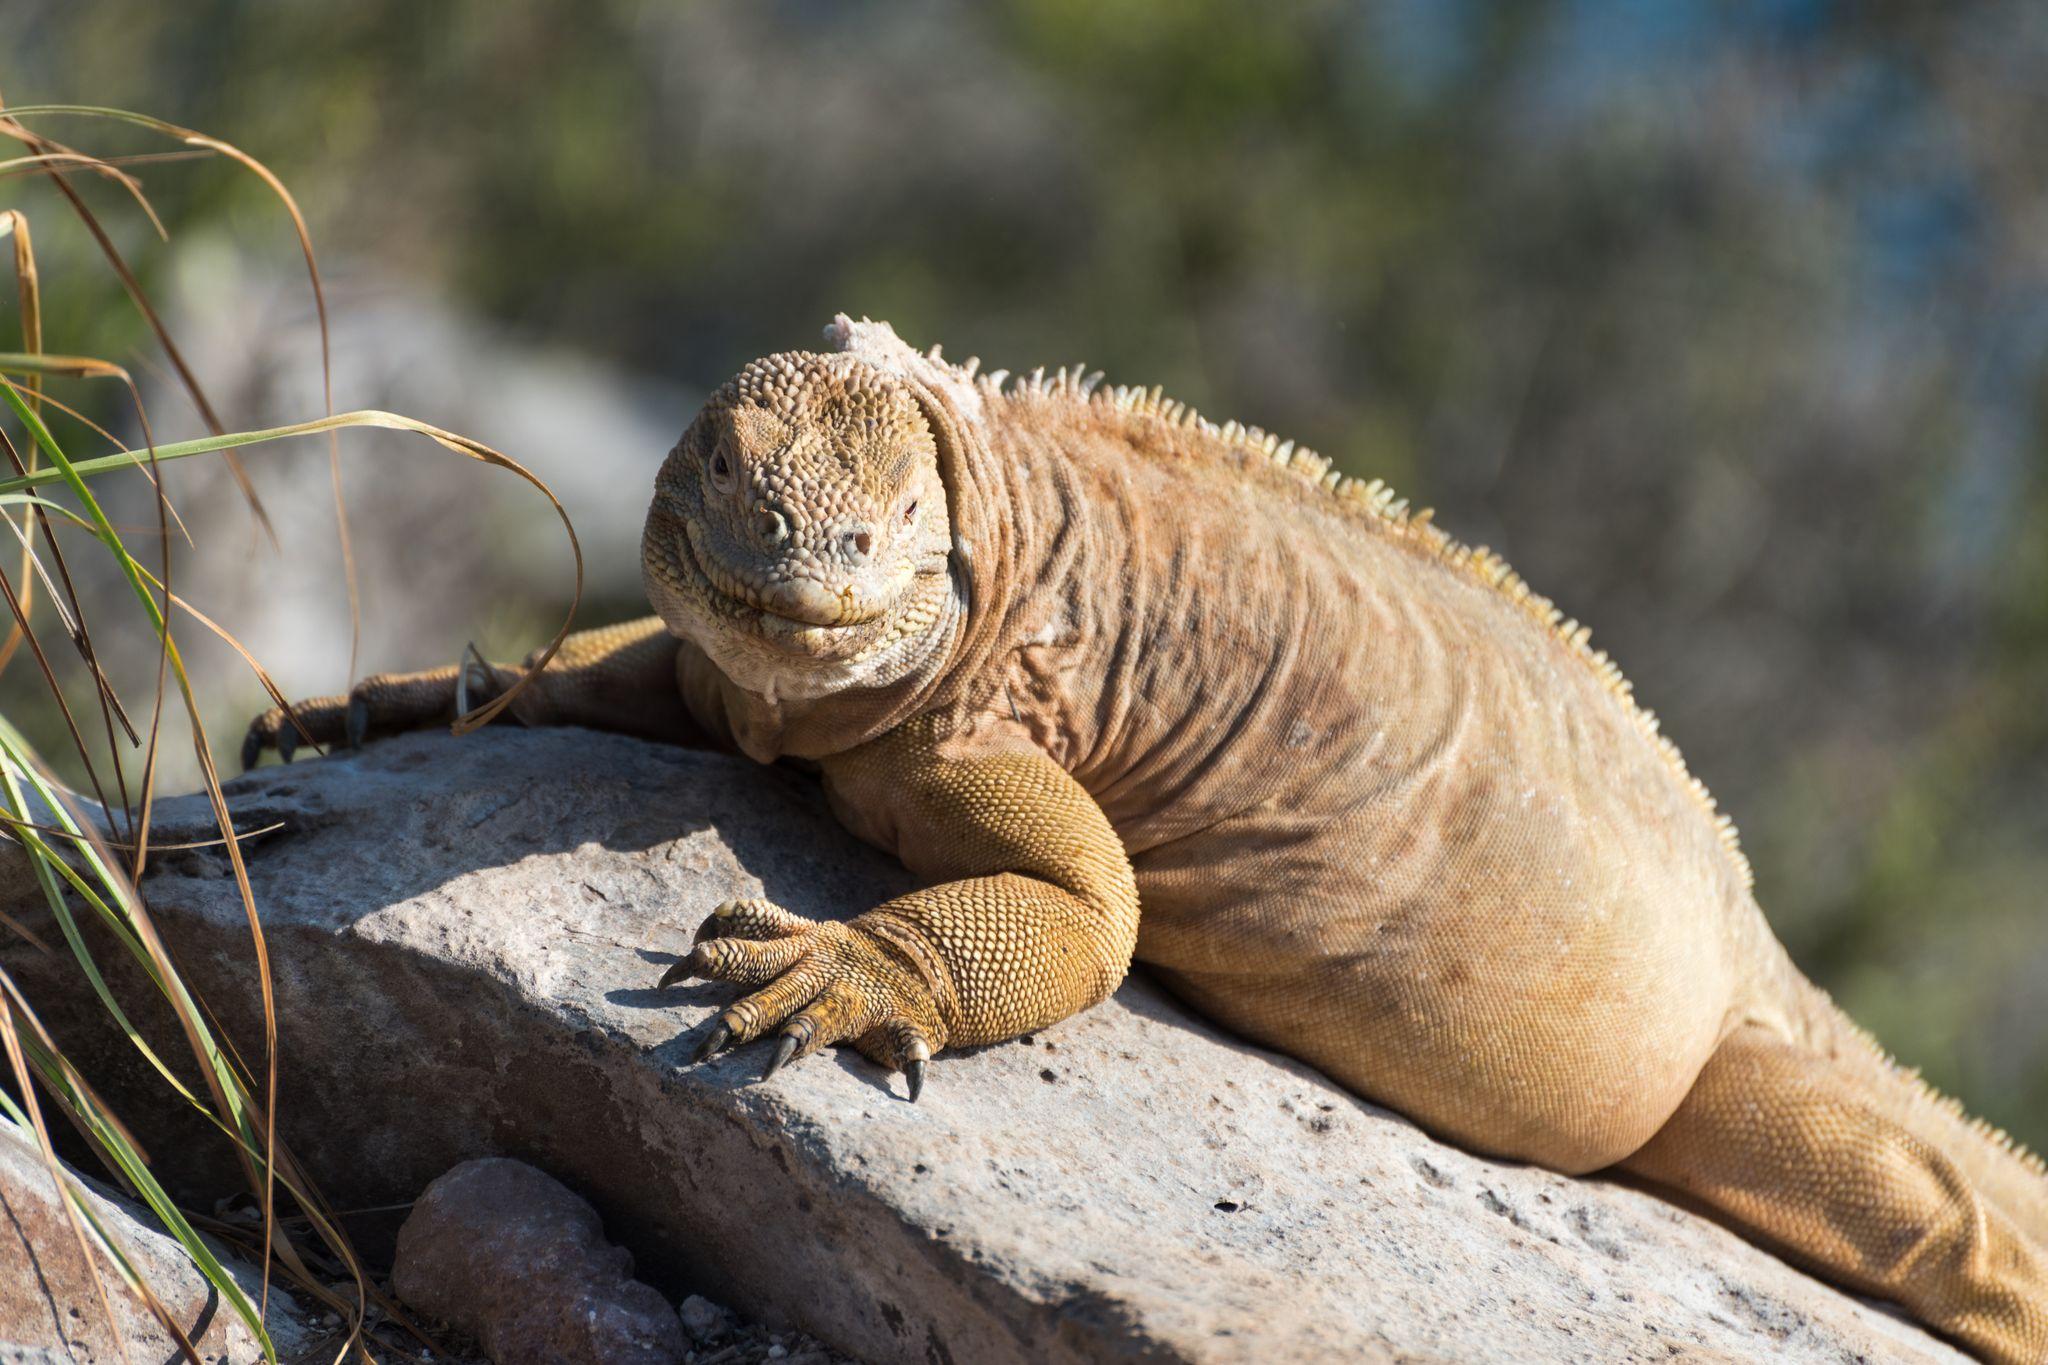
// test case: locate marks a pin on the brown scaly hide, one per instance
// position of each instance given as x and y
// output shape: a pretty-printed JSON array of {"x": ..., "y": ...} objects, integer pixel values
[{"x": 1149, "y": 684}]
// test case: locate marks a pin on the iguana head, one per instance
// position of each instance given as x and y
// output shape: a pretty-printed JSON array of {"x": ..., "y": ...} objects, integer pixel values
[{"x": 798, "y": 533}]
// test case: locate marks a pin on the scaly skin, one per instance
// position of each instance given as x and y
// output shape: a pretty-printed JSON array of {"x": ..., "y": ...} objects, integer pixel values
[{"x": 1068, "y": 653}]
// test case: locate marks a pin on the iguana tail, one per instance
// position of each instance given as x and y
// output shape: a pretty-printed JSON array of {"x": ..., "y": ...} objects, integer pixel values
[
  {"x": 1800, "y": 1130},
  {"x": 2009, "y": 1177}
]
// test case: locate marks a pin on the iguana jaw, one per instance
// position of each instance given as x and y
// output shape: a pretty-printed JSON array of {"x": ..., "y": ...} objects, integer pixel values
[
  {"x": 800, "y": 616},
  {"x": 781, "y": 658},
  {"x": 796, "y": 604},
  {"x": 786, "y": 657}
]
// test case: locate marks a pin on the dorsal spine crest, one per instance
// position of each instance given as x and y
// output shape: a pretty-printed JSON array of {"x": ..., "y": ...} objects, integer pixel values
[{"x": 1376, "y": 506}]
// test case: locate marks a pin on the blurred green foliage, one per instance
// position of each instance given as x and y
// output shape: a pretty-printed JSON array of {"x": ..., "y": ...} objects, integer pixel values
[{"x": 1725, "y": 321}]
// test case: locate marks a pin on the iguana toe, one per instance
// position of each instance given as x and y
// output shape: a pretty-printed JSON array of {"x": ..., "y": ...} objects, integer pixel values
[
  {"x": 752, "y": 917},
  {"x": 309, "y": 722}
]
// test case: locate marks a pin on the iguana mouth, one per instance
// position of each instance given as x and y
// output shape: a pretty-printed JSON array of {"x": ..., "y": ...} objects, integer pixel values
[
  {"x": 800, "y": 617},
  {"x": 803, "y": 606}
]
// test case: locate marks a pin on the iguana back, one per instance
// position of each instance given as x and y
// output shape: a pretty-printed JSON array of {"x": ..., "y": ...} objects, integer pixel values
[{"x": 1388, "y": 810}]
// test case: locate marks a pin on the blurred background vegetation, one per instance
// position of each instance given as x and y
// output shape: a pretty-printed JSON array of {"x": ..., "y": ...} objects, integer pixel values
[{"x": 1725, "y": 322}]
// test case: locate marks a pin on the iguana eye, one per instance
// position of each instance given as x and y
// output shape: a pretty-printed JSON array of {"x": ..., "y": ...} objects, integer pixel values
[
  {"x": 910, "y": 510},
  {"x": 721, "y": 472}
]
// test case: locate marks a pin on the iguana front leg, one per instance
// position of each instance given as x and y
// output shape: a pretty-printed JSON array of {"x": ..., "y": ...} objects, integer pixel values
[
  {"x": 1033, "y": 915},
  {"x": 620, "y": 678}
]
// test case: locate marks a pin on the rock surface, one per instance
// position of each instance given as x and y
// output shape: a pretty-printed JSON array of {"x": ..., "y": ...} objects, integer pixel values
[
  {"x": 466, "y": 934},
  {"x": 50, "y": 1309},
  {"x": 513, "y": 1258}
]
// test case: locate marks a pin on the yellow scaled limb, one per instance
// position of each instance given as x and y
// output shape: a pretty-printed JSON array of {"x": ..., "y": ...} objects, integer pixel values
[{"x": 1033, "y": 916}]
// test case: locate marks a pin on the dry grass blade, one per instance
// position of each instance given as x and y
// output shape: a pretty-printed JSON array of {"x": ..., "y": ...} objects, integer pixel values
[
  {"x": 47, "y": 163},
  {"x": 130, "y": 159},
  {"x": 28, "y": 294},
  {"x": 27, "y": 282},
  {"x": 11, "y": 128},
  {"x": 75, "y": 366},
  {"x": 53, "y": 831},
  {"x": 27, "y": 933}
]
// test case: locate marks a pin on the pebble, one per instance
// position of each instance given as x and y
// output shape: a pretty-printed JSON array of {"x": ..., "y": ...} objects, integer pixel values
[{"x": 704, "y": 1320}]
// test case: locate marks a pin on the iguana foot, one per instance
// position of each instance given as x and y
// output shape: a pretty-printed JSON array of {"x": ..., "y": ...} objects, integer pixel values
[
  {"x": 820, "y": 981},
  {"x": 383, "y": 704}
]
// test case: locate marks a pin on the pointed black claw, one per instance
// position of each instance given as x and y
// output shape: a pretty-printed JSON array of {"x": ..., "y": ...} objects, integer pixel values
[
  {"x": 713, "y": 1041},
  {"x": 358, "y": 721},
  {"x": 679, "y": 970},
  {"x": 252, "y": 749},
  {"x": 783, "y": 1048},
  {"x": 287, "y": 740},
  {"x": 913, "y": 1072}
]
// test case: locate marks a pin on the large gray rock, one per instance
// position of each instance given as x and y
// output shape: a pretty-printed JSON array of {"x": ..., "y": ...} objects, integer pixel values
[
  {"x": 466, "y": 934},
  {"x": 50, "y": 1308}
]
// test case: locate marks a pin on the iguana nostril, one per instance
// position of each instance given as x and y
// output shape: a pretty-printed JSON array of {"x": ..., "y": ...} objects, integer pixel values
[
  {"x": 771, "y": 525},
  {"x": 861, "y": 542}
]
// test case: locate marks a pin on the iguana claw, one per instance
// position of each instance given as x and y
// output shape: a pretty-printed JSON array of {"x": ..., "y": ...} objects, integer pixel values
[
  {"x": 785, "y": 1048},
  {"x": 913, "y": 1072},
  {"x": 713, "y": 1040}
]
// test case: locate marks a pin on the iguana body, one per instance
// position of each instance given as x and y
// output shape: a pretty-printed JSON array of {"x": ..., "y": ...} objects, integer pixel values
[{"x": 1073, "y": 653}]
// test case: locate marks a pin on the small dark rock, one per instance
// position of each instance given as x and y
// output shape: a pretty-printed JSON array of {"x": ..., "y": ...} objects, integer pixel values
[
  {"x": 704, "y": 1320},
  {"x": 512, "y": 1257}
]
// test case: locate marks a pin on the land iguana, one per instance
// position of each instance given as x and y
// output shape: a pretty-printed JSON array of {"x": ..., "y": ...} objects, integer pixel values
[{"x": 1074, "y": 652}]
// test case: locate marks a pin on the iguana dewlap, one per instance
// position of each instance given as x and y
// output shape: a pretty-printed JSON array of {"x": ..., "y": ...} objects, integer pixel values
[{"x": 1113, "y": 679}]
